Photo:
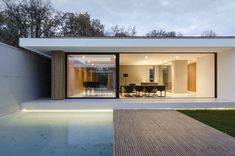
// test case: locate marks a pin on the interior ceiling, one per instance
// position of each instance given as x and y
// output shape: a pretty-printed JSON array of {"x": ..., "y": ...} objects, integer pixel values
[
  {"x": 137, "y": 59},
  {"x": 94, "y": 59},
  {"x": 157, "y": 59}
]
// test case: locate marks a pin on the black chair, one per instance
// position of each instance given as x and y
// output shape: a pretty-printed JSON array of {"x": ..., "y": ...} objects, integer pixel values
[
  {"x": 161, "y": 89},
  {"x": 128, "y": 90},
  {"x": 90, "y": 85},
  {"x": 149, "y": 89},
  {"x": 138, "y": 89}
]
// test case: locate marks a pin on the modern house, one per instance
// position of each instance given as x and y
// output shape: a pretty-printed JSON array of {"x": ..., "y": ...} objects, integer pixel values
[{"x": 185, "y": 67}]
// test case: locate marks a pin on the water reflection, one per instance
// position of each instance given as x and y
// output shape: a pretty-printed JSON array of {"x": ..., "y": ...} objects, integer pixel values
[{"x": 56, "y": 134}]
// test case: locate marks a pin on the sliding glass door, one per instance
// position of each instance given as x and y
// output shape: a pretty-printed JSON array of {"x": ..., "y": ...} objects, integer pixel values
[{"x": 91, "y": 75}]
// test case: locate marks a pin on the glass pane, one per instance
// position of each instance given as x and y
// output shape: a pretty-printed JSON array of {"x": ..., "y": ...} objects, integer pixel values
[
  {"x": 177, "y": 75},
  {"x": 91, "y": 75}
]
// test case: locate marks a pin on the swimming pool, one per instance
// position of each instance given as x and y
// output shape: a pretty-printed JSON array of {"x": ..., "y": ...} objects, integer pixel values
[{"x": 56, "y": 134}]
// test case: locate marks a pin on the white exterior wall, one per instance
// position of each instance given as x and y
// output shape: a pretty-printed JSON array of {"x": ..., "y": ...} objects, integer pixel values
[
  {"x": 205, "y": 81},
  {"x": 226, "y": 75},
  {"x": 23, "y": 76}
]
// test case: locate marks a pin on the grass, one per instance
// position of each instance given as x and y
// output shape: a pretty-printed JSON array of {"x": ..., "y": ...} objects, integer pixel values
[{"x": 221, "y": 119}]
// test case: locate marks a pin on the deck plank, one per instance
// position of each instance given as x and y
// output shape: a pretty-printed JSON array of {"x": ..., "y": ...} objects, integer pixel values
[{"x": 164, "y": 132}]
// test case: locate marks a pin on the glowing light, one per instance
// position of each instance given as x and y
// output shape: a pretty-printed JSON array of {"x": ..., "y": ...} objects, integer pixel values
[
  {"x": 146, "y": 57},
  {"x": 68, "y": 110}
]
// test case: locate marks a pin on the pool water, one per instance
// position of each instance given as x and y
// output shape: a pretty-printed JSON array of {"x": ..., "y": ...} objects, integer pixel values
[{"x": 56, "y": 134}]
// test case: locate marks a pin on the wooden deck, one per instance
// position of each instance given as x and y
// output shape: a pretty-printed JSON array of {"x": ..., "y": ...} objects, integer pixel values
[{"x": 163, "y": 132}]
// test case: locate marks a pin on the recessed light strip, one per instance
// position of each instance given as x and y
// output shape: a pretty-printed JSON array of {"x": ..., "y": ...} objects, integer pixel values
[{"x": 68, "y": 110}]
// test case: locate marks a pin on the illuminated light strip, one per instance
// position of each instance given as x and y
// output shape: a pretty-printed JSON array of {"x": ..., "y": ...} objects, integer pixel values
[
  {"x": 68, "y": 110},
  {"x": 212, "y": 108}
]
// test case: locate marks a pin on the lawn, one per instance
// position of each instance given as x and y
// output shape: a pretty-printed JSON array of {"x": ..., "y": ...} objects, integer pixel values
[{"x": 223, "y": 120}]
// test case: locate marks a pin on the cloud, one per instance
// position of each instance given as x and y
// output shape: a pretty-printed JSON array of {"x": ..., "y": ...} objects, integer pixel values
[
  {"x": 165, "y": 3},
  {"x": 191, "y": 17}
]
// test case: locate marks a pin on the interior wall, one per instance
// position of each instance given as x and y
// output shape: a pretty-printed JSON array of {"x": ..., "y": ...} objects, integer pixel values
[
  {"x": 74, "y": 79},
  {"x": 136, "y": 74},
  {"x": 159, "y": 75},
  {"x": 179, "y": 76},
  {"x": 205, "y": 76},
  {"x": 24, "y": 76},
  {"x": 226, "y": 75},
  {"x": 169, "y": 83}
]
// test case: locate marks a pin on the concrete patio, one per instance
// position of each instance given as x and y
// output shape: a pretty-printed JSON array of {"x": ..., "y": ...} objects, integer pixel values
[{"x": 132, "y": 103}]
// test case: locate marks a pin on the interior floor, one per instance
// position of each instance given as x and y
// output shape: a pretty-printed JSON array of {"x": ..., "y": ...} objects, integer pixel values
[
  {"x": 96, "y": 94},
  {"x": 158, "y": 95},
  {"x": 139, "y": 95}
]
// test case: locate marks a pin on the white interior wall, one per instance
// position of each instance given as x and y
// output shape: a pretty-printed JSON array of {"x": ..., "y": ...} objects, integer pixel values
[
  {"x": 226, "y": 75},
  {"x": 136, "y": 74},
  {"x": 205, "y": 81},
  {"x": 157, "y": 73},
  {"x": 160, "y": 75}
]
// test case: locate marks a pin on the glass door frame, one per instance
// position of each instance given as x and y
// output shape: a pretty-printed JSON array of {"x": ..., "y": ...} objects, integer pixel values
[{"x": 94, "y": 53}]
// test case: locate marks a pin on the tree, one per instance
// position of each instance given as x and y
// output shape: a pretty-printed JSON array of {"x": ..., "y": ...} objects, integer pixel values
[
  {"x": 208, "y": 33},
  {"x": 37, "y": 19},
  {"x": 121, "y": 31},
  {"x": 8, "y": 32},
  {"x": 81, "y": 25},
  {"x": 163, "y": 33},
  {"x": 30, "y": 18}
]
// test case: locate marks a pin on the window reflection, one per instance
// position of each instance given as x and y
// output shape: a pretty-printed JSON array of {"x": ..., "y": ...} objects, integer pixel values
[{"x": 91, "y": 75}]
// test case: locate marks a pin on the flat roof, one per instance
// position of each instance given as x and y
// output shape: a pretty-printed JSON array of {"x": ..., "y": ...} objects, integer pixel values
[{"x": 128, "y": 44}]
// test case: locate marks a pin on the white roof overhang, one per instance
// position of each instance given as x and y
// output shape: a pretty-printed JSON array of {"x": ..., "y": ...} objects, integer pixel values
[{"x": 45, "y": 46}]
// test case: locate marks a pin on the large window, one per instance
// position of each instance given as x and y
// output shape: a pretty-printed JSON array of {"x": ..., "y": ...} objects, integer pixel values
[
  {"x": 179, "y": 75},
  {"x": 91, "y": 75}
]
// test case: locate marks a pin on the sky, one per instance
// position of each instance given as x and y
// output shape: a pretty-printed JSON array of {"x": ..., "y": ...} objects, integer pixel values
[{"x": 190, "y": 17}]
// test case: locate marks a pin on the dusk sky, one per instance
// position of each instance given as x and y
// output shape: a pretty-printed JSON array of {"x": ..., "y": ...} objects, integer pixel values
[{"x": 191, "y": 17}]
